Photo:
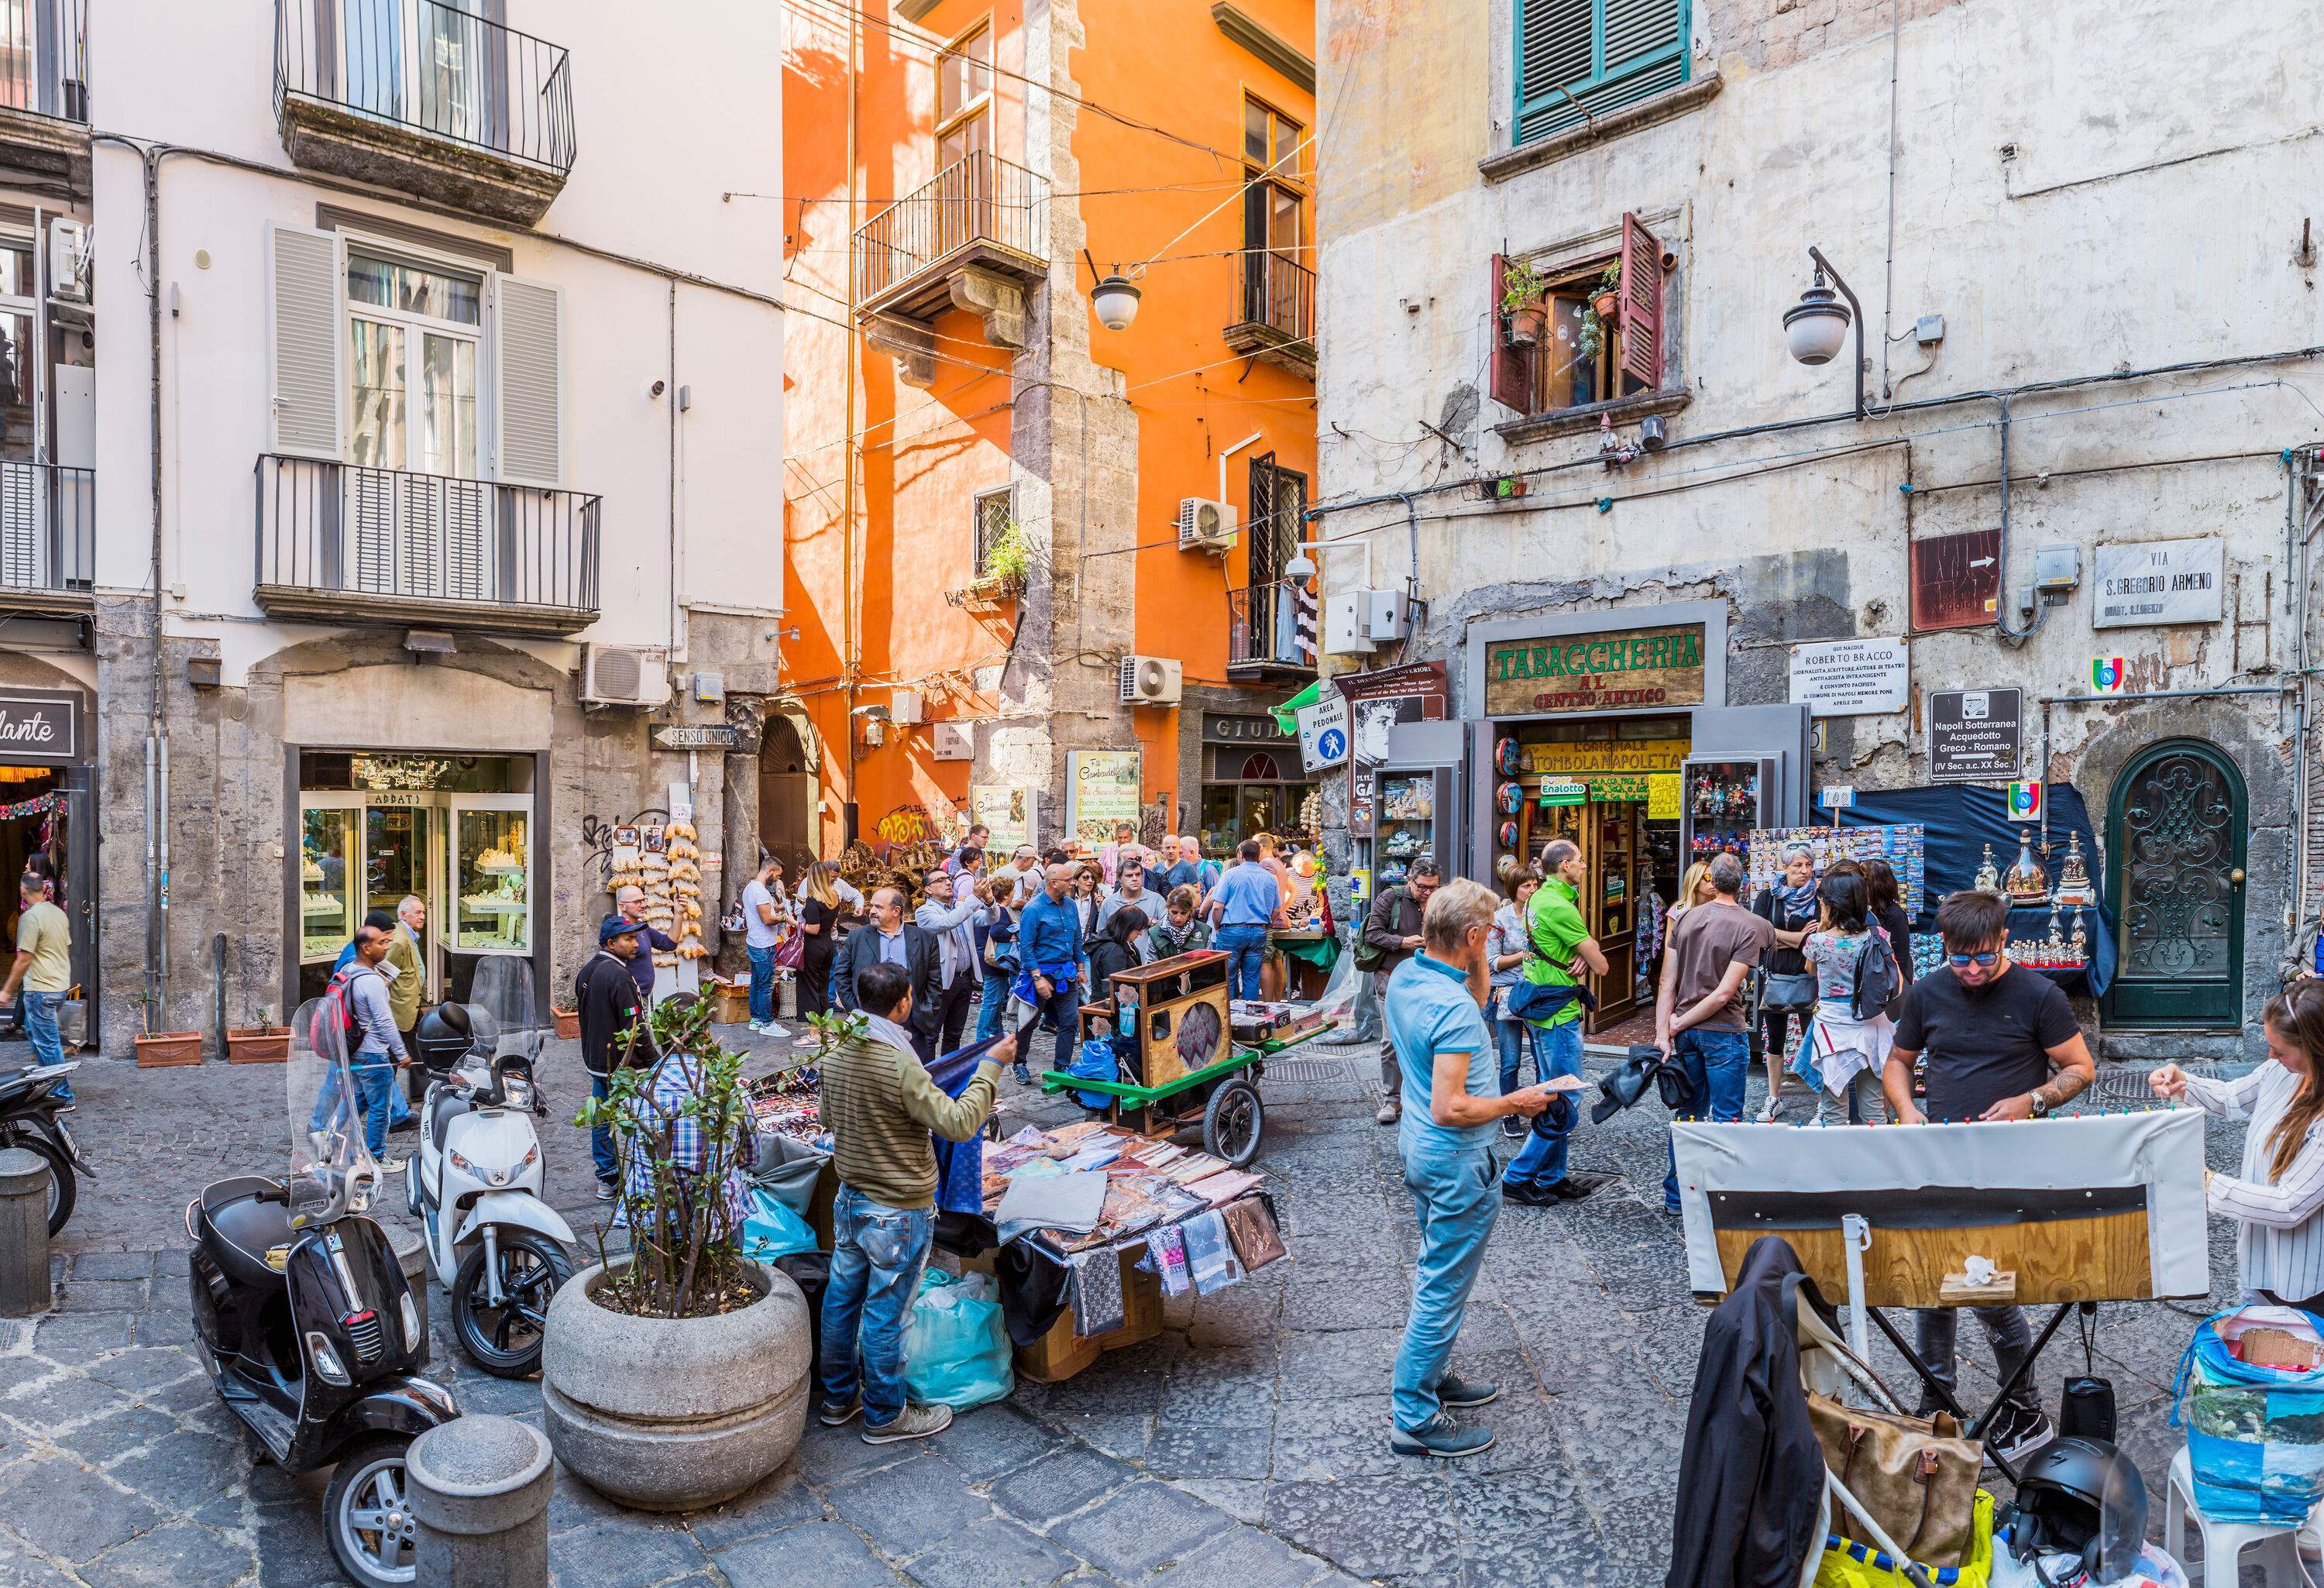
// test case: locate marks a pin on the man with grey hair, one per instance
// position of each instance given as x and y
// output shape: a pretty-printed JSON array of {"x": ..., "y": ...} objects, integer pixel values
[
  {"x": 1453, "y": 1105},
  {"x": 629, "y": 904},
  {"x": 407, "y": 980},
  {"x": 1699, "y": 1008},
  {"x": 1560, "y": 949}
]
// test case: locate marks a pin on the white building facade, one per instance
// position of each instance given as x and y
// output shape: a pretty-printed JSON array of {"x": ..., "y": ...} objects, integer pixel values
[
  {"x": 387, "y": 497},
  {"x": 2067, "y": 279}
]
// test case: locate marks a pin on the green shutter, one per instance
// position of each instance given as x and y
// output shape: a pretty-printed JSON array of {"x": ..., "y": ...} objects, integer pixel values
[{"x": 1578, "y": 58}]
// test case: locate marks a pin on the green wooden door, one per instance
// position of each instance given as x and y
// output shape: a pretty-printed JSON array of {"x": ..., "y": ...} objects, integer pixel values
[{"x": 2176, "y": 823}]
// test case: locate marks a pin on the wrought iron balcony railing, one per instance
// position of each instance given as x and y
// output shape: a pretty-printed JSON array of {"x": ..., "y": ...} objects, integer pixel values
[
  {"x": 1264, "y": 627},
  {"x": 339, "y": 539},
  {"x": 44, "y": 57},
  {"x": 1278, "y": 292},
  {"x": 430, "y": 68},
  {"x": 979, "y": 199},
  {"x": 48, "y": 532}
]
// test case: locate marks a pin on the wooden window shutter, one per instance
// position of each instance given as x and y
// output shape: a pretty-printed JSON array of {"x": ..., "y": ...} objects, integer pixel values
[
  {"x": 1510, "y": 369},
  {"x": 1642, "y": 304},
  {"x": 529, "y": 360},
  {"x": 306, "y": 324}
]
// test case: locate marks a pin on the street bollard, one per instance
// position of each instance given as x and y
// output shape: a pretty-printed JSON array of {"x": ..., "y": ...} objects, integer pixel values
[
  {"x": 24, "y": 1289},
  {"x": 479, "y": 1492},
  {"x": 411, "y": 1256}
]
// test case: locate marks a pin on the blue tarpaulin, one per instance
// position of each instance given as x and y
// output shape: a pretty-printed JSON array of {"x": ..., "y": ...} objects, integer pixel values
[{"x": 1959, "y": 819}]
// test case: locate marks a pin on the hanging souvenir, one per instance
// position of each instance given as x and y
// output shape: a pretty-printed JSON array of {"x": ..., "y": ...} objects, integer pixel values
[
  {"x": 1508, "y": 758},
  {"x": 1511, "y": 798},
  {"x": 1509, "y": 834}
]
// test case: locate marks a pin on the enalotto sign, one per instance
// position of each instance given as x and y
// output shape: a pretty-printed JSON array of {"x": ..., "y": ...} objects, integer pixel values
[
  {"x": 40, "y": 725},
  {"x": 1850, "y": 677},
  {"x": 2160, "y": 582},
  {"x": 1619, "y": 671}
]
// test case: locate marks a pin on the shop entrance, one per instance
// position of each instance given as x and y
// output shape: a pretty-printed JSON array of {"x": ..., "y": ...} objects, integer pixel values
[
  {"x": 2175, "y": 833},
  {"x": 1610, "y": 787},
  {"x": 454, "y": 830}
]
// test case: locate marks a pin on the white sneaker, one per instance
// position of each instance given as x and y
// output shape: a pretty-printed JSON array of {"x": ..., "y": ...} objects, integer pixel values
[
  {"x": 393, "y": 1166},
  {"x": 1769, "y": 1112}
]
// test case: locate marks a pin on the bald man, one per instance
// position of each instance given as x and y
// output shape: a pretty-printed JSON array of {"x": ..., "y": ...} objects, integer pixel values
[{"x": 1048, "y": 954}]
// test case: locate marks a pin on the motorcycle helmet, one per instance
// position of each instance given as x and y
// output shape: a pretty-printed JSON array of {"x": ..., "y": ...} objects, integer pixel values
[
  {"x": 2082, "y": 1497},
  {"x": 442, "y": 1037}
]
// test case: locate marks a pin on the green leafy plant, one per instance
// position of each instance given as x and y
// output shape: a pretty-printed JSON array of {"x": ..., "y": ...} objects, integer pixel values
[
  {"x": 1008, "y": 556},
  {"x": 1521, "y": 285}
]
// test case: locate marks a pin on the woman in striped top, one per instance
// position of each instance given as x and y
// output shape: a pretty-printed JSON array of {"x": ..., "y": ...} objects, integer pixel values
[{"x": 2279, "y": 1198}]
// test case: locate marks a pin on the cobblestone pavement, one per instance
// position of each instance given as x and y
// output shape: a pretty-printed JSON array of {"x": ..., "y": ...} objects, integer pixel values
[{"x": 1245, "y": 1446}]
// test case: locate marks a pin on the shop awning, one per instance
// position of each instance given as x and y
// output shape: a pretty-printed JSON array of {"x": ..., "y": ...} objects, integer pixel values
[{"x": 1287, "y": 715}]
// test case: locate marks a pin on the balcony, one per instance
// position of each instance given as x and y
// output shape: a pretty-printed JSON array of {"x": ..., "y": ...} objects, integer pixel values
[
  {"x": 974, "y": 238},
  {"x": 1264, "y": 632},
  {"x": 423, "y": 97},
  {"x": 1274, "y": 313},
  {"x": 44, "y": 96},
  {"x": 48, "y": 540},
  {"x": 342, "y": 543}
]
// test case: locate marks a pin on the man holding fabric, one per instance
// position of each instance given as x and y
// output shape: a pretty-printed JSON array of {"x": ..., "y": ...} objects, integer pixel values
[
  {"x": 1549, "y": 999},
  {"x": 1451, "y": 1073}
]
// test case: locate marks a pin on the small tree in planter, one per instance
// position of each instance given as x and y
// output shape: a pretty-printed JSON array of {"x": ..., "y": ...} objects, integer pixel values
[
  {"x": 260, "y": 1042},
  {"x": 1522, "y": 291}
]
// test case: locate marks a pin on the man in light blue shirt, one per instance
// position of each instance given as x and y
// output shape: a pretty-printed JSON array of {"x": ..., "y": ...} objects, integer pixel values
[
  {"x": 1452, "y": 1073},
  {"x": 1247, "y": 901}
]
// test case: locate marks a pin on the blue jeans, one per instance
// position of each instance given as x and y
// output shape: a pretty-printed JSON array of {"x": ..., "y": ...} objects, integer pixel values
[
  {"x": 1556, "y": 1051},
  {"x": 1246, "y": 947},
  {"x": 374, "y": 1084},
  {"x": 1456, "y": 1200},
  {"x": 1716, "y": 1062},
  {"x": 41, "y": 1026},
  {"x": 877, "y": 1253},
  {"x": 600, "y": 1137},
  {"x": 1510, "y": 1036},
  {"x": 762, "y": 985},
  {"x": 995, "y": 1005},
  {"x": 1061, "y": 1012}
]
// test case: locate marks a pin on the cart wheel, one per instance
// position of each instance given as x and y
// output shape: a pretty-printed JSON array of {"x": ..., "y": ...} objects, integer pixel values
[{"x": 1234, "y": 1123}]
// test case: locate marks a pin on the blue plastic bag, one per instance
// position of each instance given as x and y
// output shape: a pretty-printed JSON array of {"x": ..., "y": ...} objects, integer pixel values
[
  {"x": 955, "y": 1347},
  {"x": 2255, "y": 1435},
  {"x": 773, "y": 1229}
]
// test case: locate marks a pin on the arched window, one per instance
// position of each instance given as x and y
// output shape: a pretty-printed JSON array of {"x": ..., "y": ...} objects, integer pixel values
[{"x": 1258, "y": 767}]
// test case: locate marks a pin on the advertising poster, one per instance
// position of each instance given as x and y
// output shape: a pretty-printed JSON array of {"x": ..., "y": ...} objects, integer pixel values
[
  {"x": 1377, "y": 702},
  {"x": 1100, "y": 791},
  {"x": 1013, "y": 814}
]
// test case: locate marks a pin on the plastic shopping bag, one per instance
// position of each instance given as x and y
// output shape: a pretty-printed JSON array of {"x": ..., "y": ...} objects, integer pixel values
[
  {"x": 956, "y": 1347},
  {"x": 773, "y": 1229},
  {"x": 2255, "y": 1435}
]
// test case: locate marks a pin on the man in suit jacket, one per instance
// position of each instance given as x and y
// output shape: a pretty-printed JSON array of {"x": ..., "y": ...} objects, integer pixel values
[
  {"x": 409, "y": 986},
  {"x": 890, "y": 939}
]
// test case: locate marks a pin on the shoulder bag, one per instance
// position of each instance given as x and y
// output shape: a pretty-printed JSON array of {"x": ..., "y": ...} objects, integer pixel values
[
  {"x": 1916, "y": 1475},
  {"x": 1786, "y": 991},
  {"x": 1367, "y": 955}
]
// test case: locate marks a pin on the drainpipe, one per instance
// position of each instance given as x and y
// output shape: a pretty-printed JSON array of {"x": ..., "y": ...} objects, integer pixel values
[{"x": 851, "y": 627}]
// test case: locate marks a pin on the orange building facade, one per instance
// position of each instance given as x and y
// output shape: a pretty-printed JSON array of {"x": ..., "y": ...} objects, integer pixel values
[{"x": 1002, "y": 517}]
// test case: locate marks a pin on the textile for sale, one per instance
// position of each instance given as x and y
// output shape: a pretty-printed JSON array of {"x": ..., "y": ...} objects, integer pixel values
[
  {"x": 1251, "y": 1228},
  {"x": 1210, "y": 1258},
  {"x": 1054, "y": 1201},
  {"x": 1096, "y": 1292},
  {"x": 1167, "y": 1248}
]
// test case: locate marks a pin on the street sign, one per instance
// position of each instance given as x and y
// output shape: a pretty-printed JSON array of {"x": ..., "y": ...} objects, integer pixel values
[
  {"x": 1850, "y": 677},
  {"x": 2025, "y": 802},
  {"x": 2107, "y": 675},
  {"x": 1976, "y": 735},
  {"x": 1323, "y": 731},
  {"x": 2160, "y": 582},
  {"x": 694, "y": 736},
  {"x": 1837, "y": 796}
]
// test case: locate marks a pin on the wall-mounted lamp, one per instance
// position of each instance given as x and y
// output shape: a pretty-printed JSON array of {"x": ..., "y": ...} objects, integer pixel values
[
  {"x": 1816, "y": 327},
  {"x": 1115, "y": 295}
]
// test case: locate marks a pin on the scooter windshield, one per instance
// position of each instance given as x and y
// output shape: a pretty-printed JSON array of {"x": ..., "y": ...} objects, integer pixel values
[
  {"x": 503, "y": 992},
  {"x": 331, "y": 1170}
]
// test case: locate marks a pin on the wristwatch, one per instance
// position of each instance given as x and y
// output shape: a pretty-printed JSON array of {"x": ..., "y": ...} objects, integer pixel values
[{"x": 2041, "y": 1107}]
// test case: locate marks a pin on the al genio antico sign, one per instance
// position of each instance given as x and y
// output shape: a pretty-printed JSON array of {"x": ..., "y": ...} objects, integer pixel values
[{"x": 1616, "y": 671}]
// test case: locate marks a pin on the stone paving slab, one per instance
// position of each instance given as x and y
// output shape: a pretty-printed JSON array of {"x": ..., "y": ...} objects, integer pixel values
[{"x": 1246, "y": 1447}]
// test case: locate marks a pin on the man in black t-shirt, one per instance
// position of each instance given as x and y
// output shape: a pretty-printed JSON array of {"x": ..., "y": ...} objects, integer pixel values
[{"x": 1994, "y": 1035}]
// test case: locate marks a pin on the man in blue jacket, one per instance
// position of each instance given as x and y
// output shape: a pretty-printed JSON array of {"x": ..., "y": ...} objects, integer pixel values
[{"x": 1048, "y": 958}]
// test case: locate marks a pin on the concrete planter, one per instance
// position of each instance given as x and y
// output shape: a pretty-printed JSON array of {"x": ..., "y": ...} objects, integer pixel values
[{"x": 675, "y": 1414}]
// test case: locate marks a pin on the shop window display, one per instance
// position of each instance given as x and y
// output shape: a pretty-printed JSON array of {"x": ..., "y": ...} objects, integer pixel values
[
  {"x": 495, "y": 903},
  {"x": 326, "y": 905}
]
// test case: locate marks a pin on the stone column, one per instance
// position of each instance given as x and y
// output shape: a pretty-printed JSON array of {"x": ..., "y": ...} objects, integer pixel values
[
  {"x": 24, "y": 1289},
  {"x": 479, "y": 1492}
]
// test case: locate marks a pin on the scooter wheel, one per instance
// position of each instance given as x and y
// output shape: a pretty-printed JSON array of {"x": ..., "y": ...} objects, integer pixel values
[
  {"x": 367, "y": 1513},
  {"x": 505, "y": 1340}
]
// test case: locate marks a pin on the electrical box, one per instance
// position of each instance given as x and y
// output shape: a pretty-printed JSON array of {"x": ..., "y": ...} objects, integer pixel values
[
  {"x": 908, "y": 708},
  {"x": 2057, "y": 568},
  {"x": 1345, "y": 628},
  {"x": 710, "y": 688},
  {"x": 1384, "y": 615}
]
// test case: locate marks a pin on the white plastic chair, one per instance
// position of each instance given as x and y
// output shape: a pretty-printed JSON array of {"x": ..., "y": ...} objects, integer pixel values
[{"x": 2225, "y": 1542}]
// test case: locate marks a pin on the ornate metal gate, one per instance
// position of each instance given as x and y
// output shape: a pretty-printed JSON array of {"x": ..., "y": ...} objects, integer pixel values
[{"x": 2176, "y": 831}]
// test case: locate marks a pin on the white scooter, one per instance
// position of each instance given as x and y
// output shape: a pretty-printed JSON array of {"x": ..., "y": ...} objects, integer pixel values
[{"x": 476, "y": 1187}]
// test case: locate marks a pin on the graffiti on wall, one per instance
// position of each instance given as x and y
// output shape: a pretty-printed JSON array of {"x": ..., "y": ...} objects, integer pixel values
[{"x": 918, "y": 824}]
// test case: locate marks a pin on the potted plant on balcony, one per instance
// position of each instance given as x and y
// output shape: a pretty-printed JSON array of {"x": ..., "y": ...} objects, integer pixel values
[
  {"x": 676, "y": 1375},
  {"x": 1008, "y": 562},
  {"x": 1522, "y": 291},
  {"x": 260, "y": 1042},
  {"x": 1607, "y": 300}
]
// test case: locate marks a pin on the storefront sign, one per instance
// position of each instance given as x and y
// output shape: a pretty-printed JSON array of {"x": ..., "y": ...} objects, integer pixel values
[
  {"x": 1377, "y": 702},
  {"x": 1011, "y": 815},
  {"x": 1562, "y": 791},
  {"x": 1323, "y": 732},
  {"x": 1620, "y": 788},
  {"x": 1976, "y": 735},
  {"x": 1242, "y": 730},
  {"x": 1606, "y": 755},
  {"x": 41, "y": 726},
  {"x": 694, "y": 736},
  {"x": 1662, "y": 797},
  {"x": 1101, "y": 793},
  {"x": 2160, "y": 582},
  {"x": 1850, "y": 677},
  {"x": 1619, "y": 672}
]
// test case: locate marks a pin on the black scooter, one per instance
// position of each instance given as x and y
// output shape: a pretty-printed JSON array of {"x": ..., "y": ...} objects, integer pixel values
[
  {"x": 31, "y": 1116},
  {"x": 306, "y": 1327}
]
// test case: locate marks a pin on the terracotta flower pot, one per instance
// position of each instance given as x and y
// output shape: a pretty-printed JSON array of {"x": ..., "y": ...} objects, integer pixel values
[
  {"x": 165, "y": 1049},
  {"x": 1606, "y": 304},
  {"x": 569, "y": 1023},
  {"x": 1528, "y": 325},
  {"x": 257, "y": 1044}
]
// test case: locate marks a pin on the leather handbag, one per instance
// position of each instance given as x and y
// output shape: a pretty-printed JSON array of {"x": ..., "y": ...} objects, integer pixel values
[
  {"x": 1786, "y": 990},
  {"x": 1917, "y": 1476}
]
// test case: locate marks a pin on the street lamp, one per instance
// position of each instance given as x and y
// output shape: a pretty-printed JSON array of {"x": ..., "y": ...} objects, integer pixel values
[
  {"x": 1115, "y": 296},
  {"x": 1816, "y": 327},
  {"x": 1302, "y": 567}
]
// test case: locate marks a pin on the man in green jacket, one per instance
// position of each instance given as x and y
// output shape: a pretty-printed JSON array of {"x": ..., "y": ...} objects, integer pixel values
[
  {"x": 1562, "y": 950},
  {"x": 408, "y": 984},
  {"x": 880, "y": 1106}
]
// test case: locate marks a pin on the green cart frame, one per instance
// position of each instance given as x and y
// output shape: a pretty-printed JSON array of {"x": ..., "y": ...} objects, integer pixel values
[{"x": 1222, "y": 1098}]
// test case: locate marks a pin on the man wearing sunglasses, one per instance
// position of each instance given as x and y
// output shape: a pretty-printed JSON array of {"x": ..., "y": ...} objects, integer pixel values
[{"x": 2001, "y": 1045}]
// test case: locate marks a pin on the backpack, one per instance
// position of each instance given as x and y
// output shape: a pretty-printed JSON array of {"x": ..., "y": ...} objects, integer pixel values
[
  {"x": 1878, "y": 984},
  {"x": 338, "y": 1003}
]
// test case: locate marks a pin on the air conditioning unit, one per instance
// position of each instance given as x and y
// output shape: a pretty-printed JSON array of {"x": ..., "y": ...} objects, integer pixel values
[
  {"x": 68, "y": 261},
  {"x": 624, "y": 674},
  {"x": 1151, "y": 680},
  {"x": 908, "y": 708},
  {"x": 1204, "y": 525}
]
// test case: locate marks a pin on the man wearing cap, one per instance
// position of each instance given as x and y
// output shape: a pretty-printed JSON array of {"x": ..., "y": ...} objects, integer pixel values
[
  {"x": 629, "y": 904},
  {"x": 614, "y": 1034}
]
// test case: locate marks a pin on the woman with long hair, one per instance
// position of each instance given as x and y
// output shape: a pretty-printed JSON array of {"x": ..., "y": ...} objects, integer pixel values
[
  {"x": 1115, "y": 950},
  {"x": 1887, "y": 903},
  {"x": 1505, "y": 955},
  {"x": 1694, "y": 889},
  {"x": 1181, "y": 930},
  {"x": 818, "y": 921},
  {"x": 1842, "y": 1055}
]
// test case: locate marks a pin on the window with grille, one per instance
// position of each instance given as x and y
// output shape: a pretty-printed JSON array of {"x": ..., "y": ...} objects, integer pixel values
[
  {"x": 1580, "y": 59},
  {"x": 993, "y": 511}
]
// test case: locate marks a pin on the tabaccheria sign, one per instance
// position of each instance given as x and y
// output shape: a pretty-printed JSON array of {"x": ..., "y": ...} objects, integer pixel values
[{"x": 1595, "y": 672}]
